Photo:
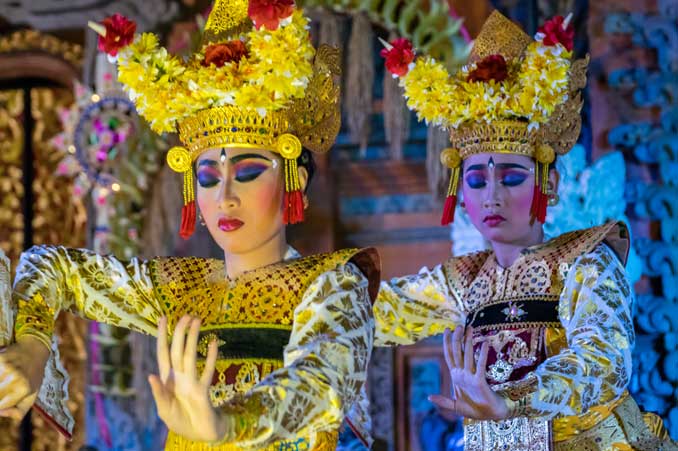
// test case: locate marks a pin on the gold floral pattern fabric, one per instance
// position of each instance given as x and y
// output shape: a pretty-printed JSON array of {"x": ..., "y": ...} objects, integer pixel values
[
  {"x": 300, "y": 397},
  {"x": 411, "y": 308},
  {"x": 587, "y": 361},
  {"x": 51, "y": 279}
]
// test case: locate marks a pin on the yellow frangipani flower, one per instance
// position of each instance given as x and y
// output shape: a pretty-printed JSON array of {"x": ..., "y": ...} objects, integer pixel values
[
  {"x": 535, "y": 86},
  {"x": 166, "y": 89}
]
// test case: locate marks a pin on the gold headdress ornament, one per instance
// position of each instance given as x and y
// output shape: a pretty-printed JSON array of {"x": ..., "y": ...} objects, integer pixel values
[
  {"x": 257, "y": 82},
  {"x": 516, "y": 95}
]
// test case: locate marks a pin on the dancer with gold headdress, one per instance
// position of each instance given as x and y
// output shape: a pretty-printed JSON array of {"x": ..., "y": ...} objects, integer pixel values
[
  {"x": 281, "y": 342},
  {"x": 540, "y": 356}
]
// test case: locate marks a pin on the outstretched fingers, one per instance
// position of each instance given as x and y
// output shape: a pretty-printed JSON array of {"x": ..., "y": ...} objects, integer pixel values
[
  {"x": 162, "y": 351},
  {"x": 482, "y": 362},
  {"x": 469, "y": 361},
  {"x": 456, "y": 347},
  {"x": 210, "y": 364},
  {"x": 452, "y": 348},
  {"x": 161, "y": 395},
  {"x": 177, "y": 346},
  {"x": 447, "y": 349},
  {"x": 189, "y": 361},
  {"x": 13, "y": 389}
]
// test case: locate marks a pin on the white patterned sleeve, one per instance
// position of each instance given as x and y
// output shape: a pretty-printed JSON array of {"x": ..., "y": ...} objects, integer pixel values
[
  {"x": 414, "y": 307},
  {"x": 595, "y": 310},
  {"x": 325, "y": 366}
]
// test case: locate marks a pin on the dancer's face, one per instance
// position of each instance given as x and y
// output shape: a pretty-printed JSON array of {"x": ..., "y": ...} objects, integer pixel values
[
  {"x": 497, "y": 190},
  {"x": 240, "y": 195}
]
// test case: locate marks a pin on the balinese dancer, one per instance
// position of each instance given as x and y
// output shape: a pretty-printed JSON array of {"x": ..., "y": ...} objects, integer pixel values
[
  {"x": 268, "y": 349},
  {"x": 540, "y": 353}
]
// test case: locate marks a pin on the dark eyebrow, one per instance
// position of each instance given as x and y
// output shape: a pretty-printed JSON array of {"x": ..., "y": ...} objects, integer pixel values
[
  {"x": 476, "y": 167},
  {"x": 511, "y": 166},
  {"x": 244, "y": 156},
  {"x": 480, "y": 167}
]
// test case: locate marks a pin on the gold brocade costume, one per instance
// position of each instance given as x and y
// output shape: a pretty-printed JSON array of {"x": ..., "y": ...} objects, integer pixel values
[
  {"x": 560, "y": 330},
  {"x": 294, "y": 337}
]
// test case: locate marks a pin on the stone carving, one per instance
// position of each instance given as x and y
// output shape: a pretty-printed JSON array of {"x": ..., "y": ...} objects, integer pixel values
[{"x": 652, "y": 191}]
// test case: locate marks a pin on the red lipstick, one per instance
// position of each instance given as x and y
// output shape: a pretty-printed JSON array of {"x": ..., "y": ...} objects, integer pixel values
[
  {"x": 229, "y": 224},
  {"x": 494, "y": 220}
]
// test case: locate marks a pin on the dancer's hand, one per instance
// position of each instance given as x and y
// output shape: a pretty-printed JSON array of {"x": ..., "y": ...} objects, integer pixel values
[
  {"x": 472, "y": 396},
  {"x": 181, "y": 396},
  {"x": 22, "y": 367}
]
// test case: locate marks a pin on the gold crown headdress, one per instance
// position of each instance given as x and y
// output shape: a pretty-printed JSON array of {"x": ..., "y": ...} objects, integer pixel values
[
  {"x": 256, "y": 82},
  {"x": 516, "y": 95}
]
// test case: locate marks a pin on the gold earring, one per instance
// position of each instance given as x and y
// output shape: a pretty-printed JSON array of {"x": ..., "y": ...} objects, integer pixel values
[
  {"x": 305, "y": 202},
  {"x": 553, "y": 197}
]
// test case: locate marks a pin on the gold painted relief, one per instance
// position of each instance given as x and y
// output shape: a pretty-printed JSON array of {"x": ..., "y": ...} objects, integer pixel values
[
  {"x": 11, "y": 173},
  {"x": 35, "y": 41},
  {"x": 57, "y": 219}
]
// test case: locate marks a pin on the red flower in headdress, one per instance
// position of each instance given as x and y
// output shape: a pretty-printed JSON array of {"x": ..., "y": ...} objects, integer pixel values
[
  {"x": 269, "y": 13},
  {"x": 398, "y": 56},
  {"x": 555, "y": 33},
  {"x": 119, "y": 34},
  {"x": 220, "y": 54},
  {"x": 492, "y": 67}
]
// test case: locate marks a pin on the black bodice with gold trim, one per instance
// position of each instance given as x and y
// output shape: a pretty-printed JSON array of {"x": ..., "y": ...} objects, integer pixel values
[{"x": 514, "y": 308}]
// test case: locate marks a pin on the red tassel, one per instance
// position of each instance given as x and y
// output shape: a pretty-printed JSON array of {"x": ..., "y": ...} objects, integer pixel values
[
  {"x": 543, "y": 203},
  {"x": 187, "y": 220},
  {"x": 448, "y": 210},
  {"x": 534, "y": 208},
  {"x": 539, "y": 204},
  {"x": 294, "y": 207}
]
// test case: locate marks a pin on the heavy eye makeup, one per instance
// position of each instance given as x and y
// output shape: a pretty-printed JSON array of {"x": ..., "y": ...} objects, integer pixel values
[
  {"x": 507, "y": 174},
  {"x": 513, "y": 178},
  {"x": 475, "y": 179},
  {"x": 208, "y": 175},
  {"x": 248, "y": 171}
]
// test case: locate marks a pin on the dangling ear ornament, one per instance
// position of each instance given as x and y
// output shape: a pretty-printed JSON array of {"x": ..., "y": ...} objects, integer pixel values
[
  {"x": 179, "y": 160},
  {"x": 289, "y": 147},
  {"x": 450, "y": 158}
]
